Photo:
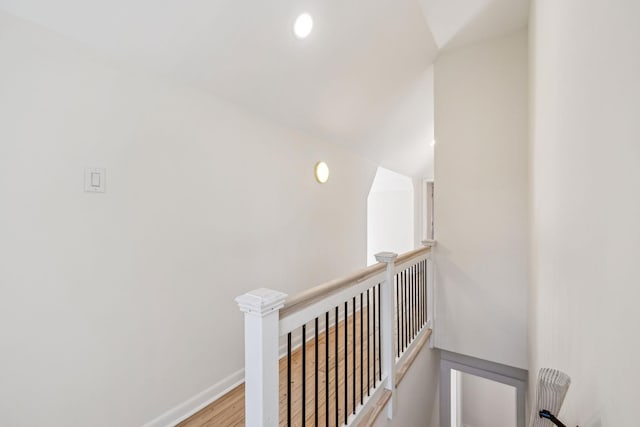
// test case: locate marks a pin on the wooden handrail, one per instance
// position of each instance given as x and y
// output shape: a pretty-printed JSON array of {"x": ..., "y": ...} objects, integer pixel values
[
  {"x": 306, "y": 298},
  {"x": 371, "y": 417},
  {"x": 407, "y": 256}
]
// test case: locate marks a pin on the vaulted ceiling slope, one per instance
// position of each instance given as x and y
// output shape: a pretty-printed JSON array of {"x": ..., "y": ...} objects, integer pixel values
[
  {"x": 454, "y": 23},
  {"x": 342, "y": 83}
]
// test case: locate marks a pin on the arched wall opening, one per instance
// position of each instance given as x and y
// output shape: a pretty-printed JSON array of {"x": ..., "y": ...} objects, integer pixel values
[{"x": 390, "y": 214}]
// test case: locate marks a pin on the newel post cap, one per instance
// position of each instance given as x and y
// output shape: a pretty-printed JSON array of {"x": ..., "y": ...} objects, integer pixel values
[
  {"x": 386, "y": 257},
  {"x": 261, "y": 302}
]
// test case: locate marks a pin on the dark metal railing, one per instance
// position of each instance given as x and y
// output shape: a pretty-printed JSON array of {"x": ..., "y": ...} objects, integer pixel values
[
  {"x": 349, "y": 349},
  {"x": 410, "y": 304},
  {"x": 335, "y": 332}
]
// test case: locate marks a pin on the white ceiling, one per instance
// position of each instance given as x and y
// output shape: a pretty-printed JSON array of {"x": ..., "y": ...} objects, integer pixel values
[
  {"x": 454, "y": 23},
  {"x": 358, "y": 80}
]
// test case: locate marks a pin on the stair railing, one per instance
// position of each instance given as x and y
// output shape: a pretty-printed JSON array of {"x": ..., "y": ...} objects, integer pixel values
[{"x": 346, "y": 343}]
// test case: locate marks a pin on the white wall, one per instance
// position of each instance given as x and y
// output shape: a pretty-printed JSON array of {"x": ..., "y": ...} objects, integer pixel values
[
  {"x": 585, "y": 152},
  {"x": 390, "y": 214},
  {"x": 481, "y": 214},
  {"x": 116, "y": 307},
  {"x": 486, "y": 403},
  {"x": 417, "y": 394}
]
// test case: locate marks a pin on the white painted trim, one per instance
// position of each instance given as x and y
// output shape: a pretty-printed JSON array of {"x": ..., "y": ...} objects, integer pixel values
[
  {"x": 260, "y": 302},
  {"x": 261, "y": 358},
  {"x": 387, "y": 337},
  {"x": 509, "y": 375},
  {"x": 192, "y": 405}
]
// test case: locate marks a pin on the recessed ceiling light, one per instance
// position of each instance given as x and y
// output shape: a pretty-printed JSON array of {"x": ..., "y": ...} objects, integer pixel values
[
  {"x": 322, "y": 172},
  {"x": 303, "y": 26}
]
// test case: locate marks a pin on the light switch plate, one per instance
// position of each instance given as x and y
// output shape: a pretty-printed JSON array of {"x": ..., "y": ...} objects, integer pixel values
[{"x": 95, "y": 180}]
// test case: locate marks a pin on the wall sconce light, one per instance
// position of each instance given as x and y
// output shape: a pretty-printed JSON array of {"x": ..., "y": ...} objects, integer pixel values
[
  {"x": 303, "y": 26},
  {"x": 322, "y": 172}
]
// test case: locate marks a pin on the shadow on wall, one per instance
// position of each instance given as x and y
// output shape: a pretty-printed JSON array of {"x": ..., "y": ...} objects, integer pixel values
[{"x": 389, "y": 214}]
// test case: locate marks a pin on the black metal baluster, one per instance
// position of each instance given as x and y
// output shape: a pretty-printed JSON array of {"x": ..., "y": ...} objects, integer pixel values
[
  {"x": 400, "y": 307},
  {"x": 406, "y": 308},
  {"x": 419, "y": 291},
  {"x": 353, "y": 351},
  {"x": 409, "y": 306},
  {"x": 421, "y": 299},
  {"x": 289, "y": 379},
  {"x": 368, "y": 347},
  {"x": 397, "y": 306},
  {"x": 426, "y": 291},
  {"x": 424, "y": 294},
  {"x": 315, "y": 414},
  {"x": 346, "y": 362},
  {"x": 374, "y": 336},
  {"x": 413, "y": 302},
  {"x": 304, "y": 372},
  {"x": 361, "y": 348},
  {"x": 413, "y": 305},
  {"x": 417, "y": 304},
  {"x": 417, "y": 298},
  {"x": 421, "y": 288},
  {"x": 336, "y": 366},
  {"x": 326, "y": 369},
  {"x": 379, "y": 339},
  {"x": 410, "y": 292},
  {"x": 401, "y": 310}
]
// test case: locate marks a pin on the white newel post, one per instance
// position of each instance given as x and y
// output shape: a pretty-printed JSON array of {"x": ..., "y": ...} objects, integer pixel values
[
  {"x": 261, "y": 345},
  {"x": 388, "y": 350}
]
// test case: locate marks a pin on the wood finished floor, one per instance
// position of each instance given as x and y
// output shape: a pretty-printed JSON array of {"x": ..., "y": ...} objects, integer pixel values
[{"x": 229, "y": 409}]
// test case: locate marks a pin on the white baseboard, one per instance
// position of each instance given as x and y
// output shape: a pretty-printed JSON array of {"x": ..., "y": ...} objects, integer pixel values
[
  {"x": 206, "y": 397},
  {"x": 197, "y": 402}
]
